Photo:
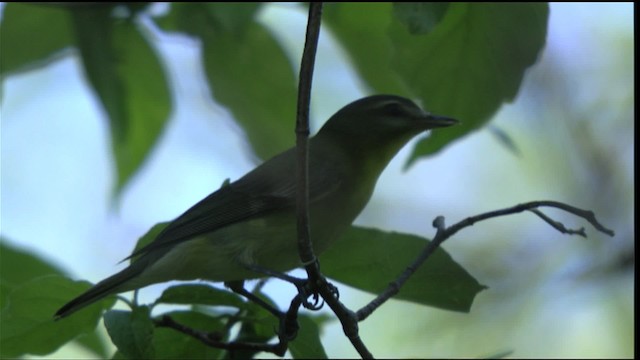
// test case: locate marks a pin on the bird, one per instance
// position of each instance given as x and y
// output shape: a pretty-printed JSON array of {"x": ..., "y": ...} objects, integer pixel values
[{"x": 251, "y": 223}]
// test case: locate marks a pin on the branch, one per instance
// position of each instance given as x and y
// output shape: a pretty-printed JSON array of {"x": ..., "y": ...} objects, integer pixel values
[
  {"x": 213, "y": 339},
  {"x": 532, "y": 206},
  {"x": 305, "y": 248},
  {"x": 287, "y": 331},
  {"x": 443, "y": 233},
  {"x": 347, "y": 317}
]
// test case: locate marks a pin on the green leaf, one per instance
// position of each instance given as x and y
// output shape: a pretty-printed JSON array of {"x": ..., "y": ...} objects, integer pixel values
[
  {"x": 31, "y": 35},
  {"x": 471, "y": 63},
  {"x": 171, "y": 344},
  {"x": 498, "y": 355},
  {"x": 135, "y": 7},
  {"x": 118, "y": 355},
  {"x": 247, "y": 70},
  {"x": 257, "y": 326},
  {"x": 95, "y": 342},
  {"x": 27, "y": 325},
  {"x": 18, "y": 267},
  {"x": 129, "y": 79},
  {"x": 93, "y": 30},
  {"x": 307, "y": 344},
  {"x": 131, "y": 332},
  {"x": 253, "y": 78},
  {"x": 352, "y": 23},
  {"x": 200, "y": 294},
  {"x": 232, "y": 17},
  {"x": 368, "y": 259},
  {"x": 419, "y": 17}
]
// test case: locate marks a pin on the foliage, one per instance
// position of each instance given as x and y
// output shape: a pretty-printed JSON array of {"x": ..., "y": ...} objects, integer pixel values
[{"x": 460, "y": 59}]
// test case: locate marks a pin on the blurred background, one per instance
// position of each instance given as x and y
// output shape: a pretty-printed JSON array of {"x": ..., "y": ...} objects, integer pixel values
[{"x": 549, "y": 295}]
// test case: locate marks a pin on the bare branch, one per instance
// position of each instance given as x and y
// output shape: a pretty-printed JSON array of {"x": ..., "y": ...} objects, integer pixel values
[
  {"x": 585, "y": 214},
  {"x": 558, "y": 225},
  {"x": 212, "y": 339},
  {"x": 347, "y": 317},
  {"x": 443, "y": 233}
]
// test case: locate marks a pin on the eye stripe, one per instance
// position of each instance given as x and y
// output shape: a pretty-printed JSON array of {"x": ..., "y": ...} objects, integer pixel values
[{"x": 389, "y": 102}]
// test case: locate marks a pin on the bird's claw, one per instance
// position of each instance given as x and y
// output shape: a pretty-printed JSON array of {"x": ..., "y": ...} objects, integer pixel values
[{"x": 305, "y": 291}]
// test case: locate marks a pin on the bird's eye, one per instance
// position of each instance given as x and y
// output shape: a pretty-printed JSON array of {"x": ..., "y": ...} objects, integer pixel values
[{"x": 394, "y": 109}]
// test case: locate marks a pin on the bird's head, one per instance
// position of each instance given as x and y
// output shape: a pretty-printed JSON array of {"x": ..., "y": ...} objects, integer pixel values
[{"x": 381, "y": 121}]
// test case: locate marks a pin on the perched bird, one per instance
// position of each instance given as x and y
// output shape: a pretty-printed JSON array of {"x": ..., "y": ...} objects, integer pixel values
[{"x": 252, "y": 221}]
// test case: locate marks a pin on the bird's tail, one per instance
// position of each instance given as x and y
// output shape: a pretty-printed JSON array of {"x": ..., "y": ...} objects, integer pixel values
[{"x": 108, "y": 286}]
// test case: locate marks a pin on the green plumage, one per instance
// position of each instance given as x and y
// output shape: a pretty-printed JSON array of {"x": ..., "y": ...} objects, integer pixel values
[{"x": 252, "y": 221}]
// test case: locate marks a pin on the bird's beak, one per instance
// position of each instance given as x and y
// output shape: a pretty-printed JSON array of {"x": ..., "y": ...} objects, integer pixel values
[{"x": 430, "y": 121}]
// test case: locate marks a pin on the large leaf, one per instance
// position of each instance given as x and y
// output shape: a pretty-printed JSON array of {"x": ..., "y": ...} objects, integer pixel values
[
  {"x": 30, "y": 35},
  {"x": 420, "y": 17},
  {"x": 200, "y": 294},
  {"x": 368, "y": 259},
  {"x": 130, "y": 81},
  {"x": 18, "y": 267},
  {"x": 257, "y": 325},
  {"x": 462, "y": 60},
  {"x": 94, "y": 341},
  {"x": 247, "y": 70},
  {"x": 254, "y": 79},
  {"x": 132, "y": 332},
  {"x": 471, "y": 63},
  {"x": 307, "y": 344},
  {"x": 28, "y": 326},
  {"x": 231, "y": 18},
  {"x": 171, "y": 344},
  {"x": 362, "y": 30}
]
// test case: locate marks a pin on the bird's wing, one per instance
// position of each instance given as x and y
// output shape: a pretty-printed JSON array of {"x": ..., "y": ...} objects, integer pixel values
[{"x": 261, "y": 191}]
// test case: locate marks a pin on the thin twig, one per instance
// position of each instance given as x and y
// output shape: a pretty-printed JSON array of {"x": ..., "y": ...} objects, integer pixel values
[
  {"x": 289, "y": 323},
  {"x": 347, "y": 317},
  {"x": 558, "y": 225},
  {"x": 443, "y": 233},
  {"x": 287, "y": 331},
  {"x": 212, "y": 339},
  {"x": 585, "y": 214}
]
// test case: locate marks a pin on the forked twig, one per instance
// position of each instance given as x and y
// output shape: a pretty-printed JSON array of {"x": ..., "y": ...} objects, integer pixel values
[
  {"x": 286, "y": 333},
  {"x": 443, "y": 233}
]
